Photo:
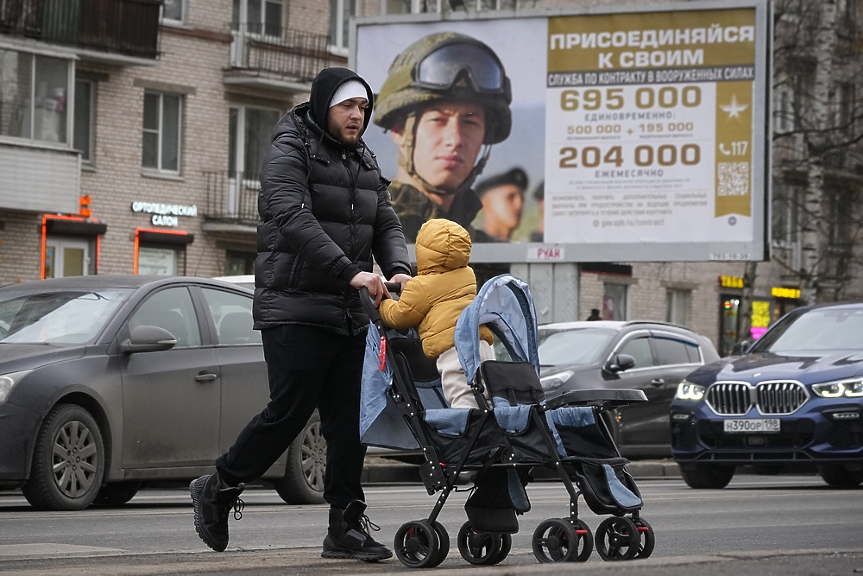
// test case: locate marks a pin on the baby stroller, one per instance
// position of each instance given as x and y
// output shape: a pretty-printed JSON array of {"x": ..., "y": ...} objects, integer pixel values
[{"x": 501, "y": 442}]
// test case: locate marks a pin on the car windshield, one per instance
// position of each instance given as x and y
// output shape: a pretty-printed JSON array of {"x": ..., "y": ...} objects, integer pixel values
[
  {"x": 573, "y": 345},
  {"x": 816, "y": 330},
  {"x": 56, "y": 317}
]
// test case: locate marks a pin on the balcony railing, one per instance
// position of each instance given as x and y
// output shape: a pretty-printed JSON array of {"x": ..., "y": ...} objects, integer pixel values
[
  {"x": 129, "y": 27},
  {"x": 232, "y": 196},
  {"x": 278, "y": 54}
]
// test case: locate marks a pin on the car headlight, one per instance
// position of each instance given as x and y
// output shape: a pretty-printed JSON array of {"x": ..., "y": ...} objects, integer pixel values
[
  {"x": 840, "y": 389},
  {"x": 555, "y": 380},
  {"x": 688, "y": 391},
  {"x": 8, "y": 381}
]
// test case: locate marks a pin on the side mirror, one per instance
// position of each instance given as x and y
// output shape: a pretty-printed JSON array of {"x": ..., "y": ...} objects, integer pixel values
[
  {"x": 148, "y": 339},
  {"x": 620, "y": 363},
  {"x": 741, "y": 347}
]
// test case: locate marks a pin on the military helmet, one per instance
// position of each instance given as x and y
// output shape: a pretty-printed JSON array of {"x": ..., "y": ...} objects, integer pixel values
[{"x": 447, "y": 66}]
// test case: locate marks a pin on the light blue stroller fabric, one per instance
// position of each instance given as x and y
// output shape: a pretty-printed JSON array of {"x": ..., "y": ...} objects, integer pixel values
[
  {"x": 381, "y": 424},
  {"x": 503, "y": 304}
]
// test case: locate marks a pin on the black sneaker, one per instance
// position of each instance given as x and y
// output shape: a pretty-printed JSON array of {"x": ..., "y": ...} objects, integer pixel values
[
  {"x": 212, "y": 505},
  {"x": 348, "y": 536}
]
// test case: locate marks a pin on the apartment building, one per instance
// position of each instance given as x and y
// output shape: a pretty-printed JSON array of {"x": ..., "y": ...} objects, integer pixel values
[{"x": 132, "y": 132}]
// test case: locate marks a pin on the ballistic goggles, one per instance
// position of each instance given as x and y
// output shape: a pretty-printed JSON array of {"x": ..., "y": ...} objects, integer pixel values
[{"x": 441, "y": 68}]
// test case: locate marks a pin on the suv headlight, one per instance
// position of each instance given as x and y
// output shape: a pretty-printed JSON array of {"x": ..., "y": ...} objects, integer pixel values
[
  {"x": 8, "y": 381},
  {"x": 840, "y": 389},
  {"x": 555, "y": 380},
  {"x": 688, "y": 391}
]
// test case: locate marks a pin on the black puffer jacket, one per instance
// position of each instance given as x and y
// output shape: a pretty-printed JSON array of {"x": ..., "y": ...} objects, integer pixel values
[{"x": 324, "y": 213}]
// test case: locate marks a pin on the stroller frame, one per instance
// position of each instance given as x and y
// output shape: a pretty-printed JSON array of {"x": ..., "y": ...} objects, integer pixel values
[{"x": 503, "y": 458}]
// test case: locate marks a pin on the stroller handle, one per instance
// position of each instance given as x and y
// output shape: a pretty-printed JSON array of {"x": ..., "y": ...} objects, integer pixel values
[{"x": 369, "y": 304}]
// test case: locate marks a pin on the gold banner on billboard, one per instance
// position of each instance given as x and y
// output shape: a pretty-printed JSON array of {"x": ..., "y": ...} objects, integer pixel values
[
  {"x": 733, "y": 148},
  {"x": 652, "y": 40}
]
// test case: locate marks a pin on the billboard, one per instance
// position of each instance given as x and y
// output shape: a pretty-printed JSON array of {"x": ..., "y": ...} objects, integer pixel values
[{"x": 637, "y": 133}]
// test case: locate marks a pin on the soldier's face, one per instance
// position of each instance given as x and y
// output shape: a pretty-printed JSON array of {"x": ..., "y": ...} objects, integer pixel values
[
  {"x": 345, "y": 121},
  {"x": 448, "y": 140},
  {"x": 503, "y": 205}
]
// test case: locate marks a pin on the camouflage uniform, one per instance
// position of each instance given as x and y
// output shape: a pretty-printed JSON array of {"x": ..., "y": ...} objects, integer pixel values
[
  {"x": 414, "y": 208},
  {"x": 460, "y": 69}
]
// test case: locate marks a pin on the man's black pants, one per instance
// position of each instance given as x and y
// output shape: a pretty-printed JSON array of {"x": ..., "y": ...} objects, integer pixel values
[{"x": 308, "y": 368}]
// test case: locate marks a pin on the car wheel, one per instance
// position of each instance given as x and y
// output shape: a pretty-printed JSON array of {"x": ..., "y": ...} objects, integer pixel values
[
  {"x": 117, "y": 493},
  {"x": 303, "y": 482},
  {"x": 68, "y": 461},
  {"x": 839, "y": 475},
  {"x": 706, "y": 475}
]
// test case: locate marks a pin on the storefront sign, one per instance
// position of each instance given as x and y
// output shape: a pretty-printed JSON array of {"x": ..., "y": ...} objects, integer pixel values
[
  {"x": 792, "y": 293},
  {"x": 164, "y": 214},
  {"x": 731, "y": 281}
]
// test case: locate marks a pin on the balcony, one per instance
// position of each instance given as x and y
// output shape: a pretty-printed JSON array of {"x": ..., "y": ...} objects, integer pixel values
[
  {"x": 264, "y": 56},
  {"x": 104, "y": 27},
  {"x": 37, "y": 179},
  {"x": 232, "y": 201}
]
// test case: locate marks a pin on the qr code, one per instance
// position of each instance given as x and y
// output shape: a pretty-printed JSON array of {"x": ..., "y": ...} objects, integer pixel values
[{"x": 733, "y": 178}]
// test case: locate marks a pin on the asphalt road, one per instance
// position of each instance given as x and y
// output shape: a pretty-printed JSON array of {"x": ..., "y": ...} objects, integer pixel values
[{"x": 788, "y": 525}]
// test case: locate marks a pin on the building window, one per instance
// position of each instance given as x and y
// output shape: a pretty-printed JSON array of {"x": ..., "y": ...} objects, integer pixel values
[
  {"x": 85, "y": 98},
  {"x": 159, "y": 261},
  {"x": 33, "y": 92},
  {"x": 174, "y": 11},
  {"x": 614, "y": 302},
  {"x": 340, "y": 15},
  {"x": 239, "y": 263},
  {"x": 258, "y": 17},
  {"x": 677, "y": 306},
  {"x": 249, "y": 138},
  {"x": 785, "y": 215},
  {"x": 161, "y": 137},
  {"x": 784, "y": 113}
]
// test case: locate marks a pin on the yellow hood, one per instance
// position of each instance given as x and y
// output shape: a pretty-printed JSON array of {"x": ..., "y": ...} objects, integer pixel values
[{"x": 442, "y": 245}]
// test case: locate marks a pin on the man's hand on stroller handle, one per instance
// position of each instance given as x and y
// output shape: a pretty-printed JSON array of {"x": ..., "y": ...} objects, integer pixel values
[{"x": 373, "y": 283}]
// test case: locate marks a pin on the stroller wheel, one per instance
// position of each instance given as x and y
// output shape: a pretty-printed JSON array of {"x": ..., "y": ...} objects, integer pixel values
[
  {"x": 555, "y": 540},
  {"x": 480, "y": 548},
  {"x": 503, "y": 551},
  {"x": 617, "y": 539},
  {"x": 648, "y": 540},
  {"x": 417, "y": 545},
  {"x": 443, "y": 538},
  {"x": 584, "y": 542}
]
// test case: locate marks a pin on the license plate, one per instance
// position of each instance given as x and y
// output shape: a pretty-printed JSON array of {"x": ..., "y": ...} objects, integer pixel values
[{"x": 750, "y": 425}]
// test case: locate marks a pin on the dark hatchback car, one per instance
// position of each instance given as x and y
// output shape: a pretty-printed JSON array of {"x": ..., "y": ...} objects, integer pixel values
[
  {"x": 108, "y": 382},
  {"x": 653, "y": 357},
  {"x": 793, "y": 400}
]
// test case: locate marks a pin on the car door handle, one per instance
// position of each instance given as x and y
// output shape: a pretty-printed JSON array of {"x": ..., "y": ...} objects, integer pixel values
[
  {"x": 206, "y": 377},
  {"x": 658, "y": 381}
]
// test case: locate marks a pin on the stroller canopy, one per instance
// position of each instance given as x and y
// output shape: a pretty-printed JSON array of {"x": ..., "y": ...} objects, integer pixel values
[{"x": 503, "y": 304}]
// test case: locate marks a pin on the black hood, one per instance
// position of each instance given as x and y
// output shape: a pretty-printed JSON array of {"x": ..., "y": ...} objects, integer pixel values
[{"x": 323, "y": 88}]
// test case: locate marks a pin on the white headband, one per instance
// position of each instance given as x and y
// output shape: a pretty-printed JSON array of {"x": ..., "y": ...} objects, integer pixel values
[{"x": 348, "y": 90}]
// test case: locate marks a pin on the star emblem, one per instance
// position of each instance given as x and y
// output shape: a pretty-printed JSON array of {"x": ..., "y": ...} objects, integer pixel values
[{"x": 734, "y": 109}]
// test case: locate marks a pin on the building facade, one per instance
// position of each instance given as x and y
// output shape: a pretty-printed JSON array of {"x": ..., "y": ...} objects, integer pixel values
[{"x": 132, "y": 133}]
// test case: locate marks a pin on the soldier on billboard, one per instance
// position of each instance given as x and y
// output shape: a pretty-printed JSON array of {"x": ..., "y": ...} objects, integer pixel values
[{"x": 446, "y": 95}]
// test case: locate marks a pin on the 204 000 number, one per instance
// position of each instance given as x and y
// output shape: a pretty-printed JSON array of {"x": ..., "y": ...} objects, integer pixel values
[{"x": 643, "y": 156}]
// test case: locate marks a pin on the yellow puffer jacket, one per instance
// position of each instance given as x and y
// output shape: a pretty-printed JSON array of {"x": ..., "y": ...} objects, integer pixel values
[{"x": 443, "y": 287}]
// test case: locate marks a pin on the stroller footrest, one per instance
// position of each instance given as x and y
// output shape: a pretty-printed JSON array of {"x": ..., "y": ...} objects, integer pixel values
[{"x": 599, "y": 397}]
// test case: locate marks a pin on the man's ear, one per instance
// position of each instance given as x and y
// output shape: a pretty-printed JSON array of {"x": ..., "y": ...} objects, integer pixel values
[{"x": 397, "y": 133}]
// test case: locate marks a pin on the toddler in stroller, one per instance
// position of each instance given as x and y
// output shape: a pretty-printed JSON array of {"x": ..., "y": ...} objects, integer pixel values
[
  {"x": 513, "y": 430},
  {"x": 433, "y": 300}
]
